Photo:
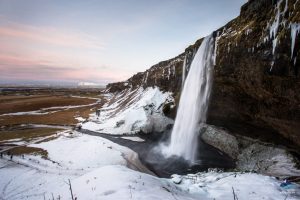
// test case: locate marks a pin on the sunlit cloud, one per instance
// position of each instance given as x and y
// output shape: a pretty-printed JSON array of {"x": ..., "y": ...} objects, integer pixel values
[
  {"x": 45, "y": 53},
  {"x": 103, "y": 41},
  {"x": 49, "y": 35},
  {"x": 52, "y": 73}
]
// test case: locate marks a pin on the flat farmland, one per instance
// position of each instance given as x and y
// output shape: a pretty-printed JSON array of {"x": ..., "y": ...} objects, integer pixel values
[
  {"x": 30, "y": 115},
  {"x": 47, "y": 106},
  {"x": 13, "y": 104}
]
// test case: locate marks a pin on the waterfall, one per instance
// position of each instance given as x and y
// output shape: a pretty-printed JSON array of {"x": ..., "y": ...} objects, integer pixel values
[
  {"x": 193, "y": 104},
  {"x": 183, "y": 72}
]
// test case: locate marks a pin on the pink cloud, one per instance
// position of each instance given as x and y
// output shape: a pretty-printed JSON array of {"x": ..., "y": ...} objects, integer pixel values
[
  {"x": 50, "y": 36},
  {"x": 6, "y": 60},
  {"x": 45, "y": 53},
  {"x": 13, "y": 67}
]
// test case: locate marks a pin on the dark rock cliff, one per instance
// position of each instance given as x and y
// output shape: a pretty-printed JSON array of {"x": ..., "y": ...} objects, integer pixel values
[{"x": 256, "y": 89}]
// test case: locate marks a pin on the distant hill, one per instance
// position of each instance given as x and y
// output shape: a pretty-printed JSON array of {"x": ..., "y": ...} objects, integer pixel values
[{"x": 90, "y": 85}]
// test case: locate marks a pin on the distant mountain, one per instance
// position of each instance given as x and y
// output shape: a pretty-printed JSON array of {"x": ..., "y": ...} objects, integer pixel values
[{"x": 90, "y": 85}]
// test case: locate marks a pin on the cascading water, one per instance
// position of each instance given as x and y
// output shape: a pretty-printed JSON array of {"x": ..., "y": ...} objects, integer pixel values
[
  {"x": 193, "y": 104},
  {"x": 183, "y": 71}
]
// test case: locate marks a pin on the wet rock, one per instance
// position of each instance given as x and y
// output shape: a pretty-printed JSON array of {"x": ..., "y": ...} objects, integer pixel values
[
  {"x": 120, "y": 123},
  {"x": 221, "y": 140},
  {"x": 156, "y": 123},
  {"x": 257, "y": 93}
]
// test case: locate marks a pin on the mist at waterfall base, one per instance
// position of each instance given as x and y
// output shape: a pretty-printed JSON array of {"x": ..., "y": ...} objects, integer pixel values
[{"x": 193, "y": 104}]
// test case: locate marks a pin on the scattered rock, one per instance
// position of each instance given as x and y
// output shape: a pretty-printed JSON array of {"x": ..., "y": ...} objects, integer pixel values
[
  {"x": 177, "y": 179},
  {"x": 120, "y": 123},
  {"x": 252, "y": 155}
]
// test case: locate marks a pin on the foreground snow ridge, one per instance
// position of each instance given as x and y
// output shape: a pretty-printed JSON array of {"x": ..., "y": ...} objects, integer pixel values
[
  {"x": 118, "y": 182},
  {"x": 132, "y": 111}
]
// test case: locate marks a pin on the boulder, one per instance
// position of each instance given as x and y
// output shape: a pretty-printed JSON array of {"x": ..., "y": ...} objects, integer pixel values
[
  {"x": 252, "y": 155},
  {"x": 221, "y": 140}
]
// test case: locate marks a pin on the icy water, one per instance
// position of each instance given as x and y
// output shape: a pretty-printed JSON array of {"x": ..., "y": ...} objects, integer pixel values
[
  {"x": 165, "y": 167},
  {"x": 193, "y": 104}
]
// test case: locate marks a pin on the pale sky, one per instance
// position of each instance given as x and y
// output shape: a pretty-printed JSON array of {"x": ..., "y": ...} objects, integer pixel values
[{"x": 100, "y": 41}]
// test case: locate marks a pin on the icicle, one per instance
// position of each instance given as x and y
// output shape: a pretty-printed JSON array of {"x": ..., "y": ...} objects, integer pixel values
[
  {"x": 228, "y": 47},
  {"x": 274, "y": 45},
  {"x": 295, "y": 29},
  {"x": 174, "y": 71},
  {"x": 275, "y": 25},
  {"x": 272, "y": 64}
]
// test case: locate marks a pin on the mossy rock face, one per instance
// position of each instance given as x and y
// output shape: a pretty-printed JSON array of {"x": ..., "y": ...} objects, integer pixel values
[{"x": 255, "y": 92}]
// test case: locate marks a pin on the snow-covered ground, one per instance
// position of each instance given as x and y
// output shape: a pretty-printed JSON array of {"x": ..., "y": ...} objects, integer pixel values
[
  {"x": 132, "y": 111},
  {"x": 100, "y": 169},
  {"x": 118, "y": 182},
  {"x": 69, "y": 156},
  {"x": 220, "y": 185}
]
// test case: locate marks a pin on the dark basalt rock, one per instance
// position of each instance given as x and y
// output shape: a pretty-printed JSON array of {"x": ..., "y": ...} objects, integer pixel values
[{"x": 250, "y": 95}]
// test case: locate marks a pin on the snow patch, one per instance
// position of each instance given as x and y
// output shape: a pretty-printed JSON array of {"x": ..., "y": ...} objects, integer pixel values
[
  {"x": 128, "y": 184},
  {"x": 69, "y": 157},
  {"x": 121, "y": 183},
  {"x": 135, "y": 139},
  {"x": 220, "y": 185},
  {"x": 248, "y": 31},
  {"x": 80, "y": 119},
  {"x": 67, "y": 151},
  {"x": 142, "y": 113}
]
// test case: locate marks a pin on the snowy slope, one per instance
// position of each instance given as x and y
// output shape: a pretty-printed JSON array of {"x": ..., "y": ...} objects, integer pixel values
[
  {"x": 132, "y": 111},
  {"x": 69, "y": 152}
]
